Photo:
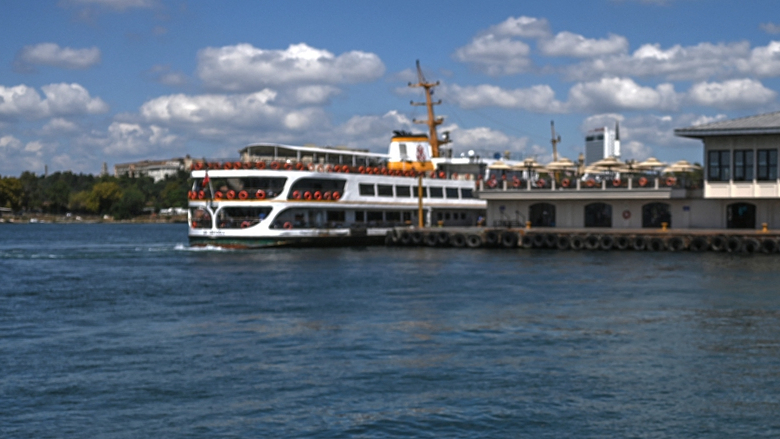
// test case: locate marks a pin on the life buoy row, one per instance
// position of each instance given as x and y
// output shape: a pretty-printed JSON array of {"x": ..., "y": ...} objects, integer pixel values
[
  {"x": 316, "y": 195},
  {"x": 230, "y": 195}
]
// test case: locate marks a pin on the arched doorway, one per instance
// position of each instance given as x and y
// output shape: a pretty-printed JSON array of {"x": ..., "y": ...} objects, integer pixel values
[
  {"x": 741, "y": 216},
  {"x": 541, "y": 215},
  {"x": 653, "y": 214},
  {"x": 598, "y": 215}
]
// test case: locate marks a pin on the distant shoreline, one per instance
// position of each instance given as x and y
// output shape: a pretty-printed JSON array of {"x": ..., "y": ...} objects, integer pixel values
[{"x": 90, "y": 219}]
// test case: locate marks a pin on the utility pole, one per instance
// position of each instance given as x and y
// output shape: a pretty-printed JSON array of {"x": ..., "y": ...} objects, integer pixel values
[
  {"x": 555, "y": 141},
  {"x": 432, "y": 121}
]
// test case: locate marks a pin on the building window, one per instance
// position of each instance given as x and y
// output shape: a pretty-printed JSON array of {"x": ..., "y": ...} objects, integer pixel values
[
  {"x": 741, "y": 216},
  {"x": 384, "y": 190},
  {"x": 767, "y": 164},
  {"x": 466, "y": 193},
  {"x": 367, "y": 190},
  {"x": 654, "y": 214},
  {"x": 743, "y": 165},
  {"x": 542, "y": 215},
  {"x": 718, "y": 166},
  {"x": 598, "y": 215}
]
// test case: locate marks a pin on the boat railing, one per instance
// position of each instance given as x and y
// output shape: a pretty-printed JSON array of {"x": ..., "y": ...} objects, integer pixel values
[{"x": 591, "y": 183}]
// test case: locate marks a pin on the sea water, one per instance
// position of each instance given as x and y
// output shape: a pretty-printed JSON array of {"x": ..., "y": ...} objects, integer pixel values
[{"x": 124, "y": 331}]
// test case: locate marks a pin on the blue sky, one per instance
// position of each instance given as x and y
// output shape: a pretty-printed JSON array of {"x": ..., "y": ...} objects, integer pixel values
[{"x": 84, "y": 82}]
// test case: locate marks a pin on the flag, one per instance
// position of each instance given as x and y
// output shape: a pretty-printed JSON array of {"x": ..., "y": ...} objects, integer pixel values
[{"x": 206, "y": 179}]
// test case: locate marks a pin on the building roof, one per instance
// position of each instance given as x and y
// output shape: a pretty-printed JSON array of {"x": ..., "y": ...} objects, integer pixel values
[{"x": 761, "y": 124}]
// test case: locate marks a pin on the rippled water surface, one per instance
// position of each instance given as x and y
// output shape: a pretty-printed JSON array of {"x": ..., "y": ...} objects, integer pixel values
[{"x": 123, "y": 331}]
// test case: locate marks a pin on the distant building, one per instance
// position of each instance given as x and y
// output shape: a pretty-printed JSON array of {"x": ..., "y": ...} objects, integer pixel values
[
  {"x": 602, "y": 143},
  {"x": 157, "y": 169}
]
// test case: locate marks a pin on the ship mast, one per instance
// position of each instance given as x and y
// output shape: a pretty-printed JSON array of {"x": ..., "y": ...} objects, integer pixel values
[{"x": 432, "y": 121}]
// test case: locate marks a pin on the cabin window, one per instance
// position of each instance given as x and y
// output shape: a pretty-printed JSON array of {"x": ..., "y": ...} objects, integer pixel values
[
  {"x": 200, "y": 218},
  {"x": 466, "y": 193},
  {"x": 452, "y": 192},
  {"x": 393, "y": 216},
  {"x": 360, "y": 216},
  {"x": 767, "y": 164},
  {"x": 270, "y": 187},
  {"x": 743, "y": 165},
  {"x": 402, "y": 151},
  {"x": 436, "y": 192},
  {"x": 542, "y": 215},
  {"x": 241, "y": 217},
  {"x": 403, "y": 191},
  {"x": 384, "y": 190},
  {"x": 374, "y": 216},
  {"x": 367, "y": 190},
  {"x": 718, "y": 166},
  {"x": 407, "y": 216},
  {"x": 415, "y": 191}
]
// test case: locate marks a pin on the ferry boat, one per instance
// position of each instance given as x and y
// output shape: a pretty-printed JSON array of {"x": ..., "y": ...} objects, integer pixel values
[{"x": 285, "y": 195}]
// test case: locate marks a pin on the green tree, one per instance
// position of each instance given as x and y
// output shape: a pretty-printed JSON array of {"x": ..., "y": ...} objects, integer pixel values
[
  {"x": 103, "y": 196},
  {"x": 131, "y": 204},
  {"x": 11, "y": 192}
]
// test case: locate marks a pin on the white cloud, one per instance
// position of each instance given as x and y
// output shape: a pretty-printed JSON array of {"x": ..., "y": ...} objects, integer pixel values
[
  {"x": 59, "y": 126},
  {"x": 244, "y": 67},
  {"x": 310, "y": 95},
  {"x": 487, "y": 141},
  {"x": 770, "y": 28},
  {"x": 24, "y": 102},
  {"x": 570, "y": 44},
  {"x": 763, "y": 61},
  {"x": 243, "y": 109},
  {"x": 51, "y": 54},
  {"x": 117, "y": 5},
  {"x": 135, "y": 139},
  {"x": 164, "y": 75},
  {"x": 635, "y": 150},
  {"x": 736, "y": 93},
  {"x": 523, "y": 27},
  {"x": 622, "y": 94},
  {"x": 539, "y": 98},
  {"x": 496, "y": 55},
  {"x": 16, "y": 155}
]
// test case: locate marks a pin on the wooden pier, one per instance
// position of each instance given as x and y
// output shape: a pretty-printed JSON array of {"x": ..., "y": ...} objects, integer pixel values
[{"x": 593, "y": 239}]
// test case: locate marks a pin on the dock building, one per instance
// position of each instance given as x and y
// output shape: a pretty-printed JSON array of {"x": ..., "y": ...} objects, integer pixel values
[{"x": 738, "y": 187}]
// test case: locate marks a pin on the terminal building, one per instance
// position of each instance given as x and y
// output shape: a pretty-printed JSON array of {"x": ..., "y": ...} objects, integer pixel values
[
  {"x": 737, "y": 188},
  {"x": 157, "y": 169}
]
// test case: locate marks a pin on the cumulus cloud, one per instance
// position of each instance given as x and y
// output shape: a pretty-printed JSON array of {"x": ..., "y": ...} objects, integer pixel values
[
  {"x": 135, "y": 139},
  {"x": 570, "y": 44},
  {"x": 539, "y": 98},
  {"x": 487, "y": 141},
  {"x": 496, "y": 55},
  {"x": 736, "y": 93},
  {"x": 770, "y": 28},
  {"x": 24, "y": 102},
  {"x": 763, "y": 61},
  {"x": 59, "y": 126},
  {"x": 523, "y": 27},
  {"x": 51, "y": 54},
  {"x": 244, "y": 67},
  {"x": 16, "y": 154},
  {"x": 117, "y": 5},
  {"x": 164, "y": 75},
  {"x": 611, "y": 94}
]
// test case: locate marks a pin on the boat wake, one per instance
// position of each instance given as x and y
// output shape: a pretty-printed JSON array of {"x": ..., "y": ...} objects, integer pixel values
[{"x": 207, "y": 248}]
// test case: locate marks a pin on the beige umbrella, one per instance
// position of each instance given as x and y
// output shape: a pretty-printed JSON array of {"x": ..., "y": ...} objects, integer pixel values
[
  {"x": 529, "y": 164},
  {"x": 562, "y": 164},
  {"x": 681, "y": 166},
  {"x": 499, "y": 165},
  {"x": 650, "y": 164}
]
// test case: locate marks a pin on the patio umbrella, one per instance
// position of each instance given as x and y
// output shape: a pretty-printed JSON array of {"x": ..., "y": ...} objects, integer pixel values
[
  {"x": 681, "y": 166},
  {"x": 562, "y": 164},
  {"x": 650, "y": 164},
  {"x": 499, "y": 165}
]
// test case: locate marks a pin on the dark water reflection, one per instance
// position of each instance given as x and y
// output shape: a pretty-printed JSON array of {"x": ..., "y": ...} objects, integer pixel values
[{"x": 122, "y": 331}]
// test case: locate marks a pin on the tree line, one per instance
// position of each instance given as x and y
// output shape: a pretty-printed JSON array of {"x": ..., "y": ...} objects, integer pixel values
[{"x": 121, "y": 197}]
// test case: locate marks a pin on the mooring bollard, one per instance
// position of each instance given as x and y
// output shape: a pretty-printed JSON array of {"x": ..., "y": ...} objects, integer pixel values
[
  {"x": 664, "y": 226},
  {"x": 528, "y": 225},
  {"x": 764, "y": 227}
]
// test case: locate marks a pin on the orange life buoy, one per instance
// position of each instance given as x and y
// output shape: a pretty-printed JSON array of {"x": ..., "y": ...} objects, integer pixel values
[
  {"x": 565, "y": 182},
  {"x": 237, "y": 165},
  {"x": 328, "y": 168},
  {"x": 442, "y": 174},
  {"x": 516, "y": 182},
  {"x": 260, "y": 194},
  {"x": 317, "y": 195},
  {"x": 642, "y": 181},
  {"x": 326, "y": 195},
  {"x": 218, "y": 195},
  {"x": 246, "y": 165},
  {"x": 492, "y": 183},
  {"x": 274, "y": 165},
  {"x": 433, "y": 174},
  {"x": 227, "y": 165},
  {"x": 231, "y": 194},
  {"x": 296, "y": 195},
  {"x": 201, "y": 195},
  {"x": 245, "y": 224},
  {"x": 362, "y": 169},
  {"x": 243, "y": 195},
  {"x": 287, "y": 225},
  {"x": 260, "y": 165},
  {"x": 626, "y": 214},
  {"x": 590, "y": 183},
  {"x": 198, "y": 165},
  {"x": 409, "y": 173},
  {"x": 288, "y": 166},
  {"x": 320, "y": 168},
  {"x": 345, "y": 169},
  {"x": 540, "y": 182},
  {"x": 307, "y": 195},
  {"x": 336, "y": 195},
  {"x": 299, "y": 166},
  {"x": 194, "y": 224},
  {"x": 671, "y": 181},
  {"x": 616, "y": 182}
]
